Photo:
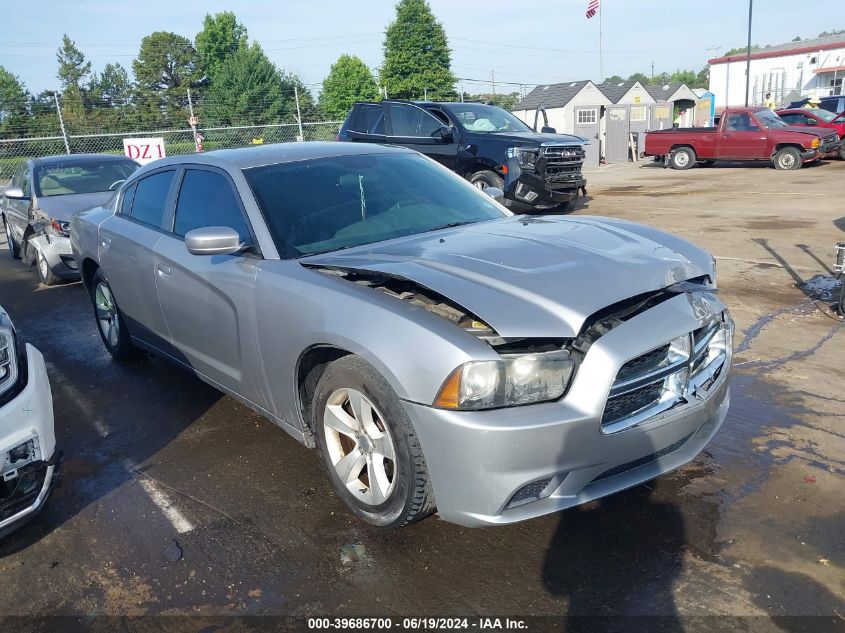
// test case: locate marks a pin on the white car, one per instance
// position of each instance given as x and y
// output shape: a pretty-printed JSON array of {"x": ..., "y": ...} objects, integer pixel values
[{"x": 29, "y": 461}]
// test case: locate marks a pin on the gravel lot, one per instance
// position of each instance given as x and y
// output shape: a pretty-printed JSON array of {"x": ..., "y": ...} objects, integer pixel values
[{"x": 753, "y": 527}]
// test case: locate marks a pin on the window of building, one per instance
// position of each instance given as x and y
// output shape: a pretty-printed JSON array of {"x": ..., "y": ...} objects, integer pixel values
[
  {"x": 638, "y": 113},
  {"x": 587, "y": 116}
]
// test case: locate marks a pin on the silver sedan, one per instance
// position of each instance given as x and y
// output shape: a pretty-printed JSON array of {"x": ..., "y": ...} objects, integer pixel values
[{"x": 439, "y": 352}]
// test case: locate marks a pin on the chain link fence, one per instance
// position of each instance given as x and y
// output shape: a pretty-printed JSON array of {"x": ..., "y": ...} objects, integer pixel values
[{"x": 16, "y": 150}]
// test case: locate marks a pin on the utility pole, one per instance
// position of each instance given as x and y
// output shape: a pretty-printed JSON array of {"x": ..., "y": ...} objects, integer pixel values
[
  {"x": 61, "y": 121},
  {"x": 493, "y": 77},
  {"x": 193, "y": 122},
  {"x": 298, "y": 113},
  {"x": 601, "y": 53},
  {"x": 748, "y": 55},
  {"x": 652, "y": 71}
]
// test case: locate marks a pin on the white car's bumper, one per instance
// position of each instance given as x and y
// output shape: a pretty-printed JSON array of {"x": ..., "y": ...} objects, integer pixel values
[
  {"x": 59, "y": 256},
  {"x": 27, "y": 419}
]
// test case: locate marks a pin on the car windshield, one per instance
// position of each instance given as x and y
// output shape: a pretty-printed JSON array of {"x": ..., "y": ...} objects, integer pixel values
[
  {"x": 82, "y": 177},
  {"x": 478, "y": 117},
  {"x": 769, "y": 119},
  {"x": 328, "y": 204},
  {"x": 824, "y": 115}
]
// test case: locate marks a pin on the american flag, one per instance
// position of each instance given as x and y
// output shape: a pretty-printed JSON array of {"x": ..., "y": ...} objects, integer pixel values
[{"x": 592, "y": 7}]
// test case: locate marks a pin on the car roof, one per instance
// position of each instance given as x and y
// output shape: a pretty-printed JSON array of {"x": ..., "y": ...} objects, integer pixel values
[
  {"x": 274, "y": 153},
  {"x": 77, "y": 158}
]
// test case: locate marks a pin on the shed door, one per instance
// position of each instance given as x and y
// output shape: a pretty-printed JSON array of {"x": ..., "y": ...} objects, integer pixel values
[
  {"x": 588, "y": 126},
  {"x": 616, "y": 150}
]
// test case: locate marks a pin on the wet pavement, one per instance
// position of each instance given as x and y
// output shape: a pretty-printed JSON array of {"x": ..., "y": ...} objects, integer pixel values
[{"x": 176, "y": 499}]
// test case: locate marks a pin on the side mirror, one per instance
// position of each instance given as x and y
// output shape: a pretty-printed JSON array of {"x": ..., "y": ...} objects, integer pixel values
[
  {"x": 213, "y": 240},
  {"x": 14, "y": 193},
  {"x": 445, "y": 134},
  {"x": 494, "y": 192},
  {"x": 548, "y": 130}
]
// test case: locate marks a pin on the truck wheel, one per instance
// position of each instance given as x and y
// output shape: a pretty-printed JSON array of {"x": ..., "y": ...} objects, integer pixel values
[
  {"x": 43, "y": 271},
  {"x": 110, "y": 321},
  {"x": 788, "y": 158},
  {"x": 369, "y": 447},
  {"x": 486, "y": 178},
  {"x": 14, "y": 249},
  {"x": 682, "y": 158}
]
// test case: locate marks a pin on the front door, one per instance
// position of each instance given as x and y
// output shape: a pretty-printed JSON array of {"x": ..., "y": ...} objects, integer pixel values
[
  {"x": 208, "y": 301},
  {"x": 588, "y": 126},
  {"x": 18, "y": 211},
  {"x": 410, "y": 126},
  {"x": 127, "y": 255},
  {"x": 741, "y": 137}
]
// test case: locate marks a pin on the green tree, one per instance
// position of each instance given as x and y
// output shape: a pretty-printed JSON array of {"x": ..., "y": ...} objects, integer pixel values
[
  {"x": 687, "y": 77},
  {"x": 506, "y": 101},
  {"x": 112, "y": 87},
  {"x": 221, "y": 36},
  {"x": 247, "y": 89},
  {"x": 660, "y": 80},
  {"x": 349, "y": 80},
  {"x": 614, "y": 79},
  {"x": 417, "y": 58},
  {"x": 13, "y": 104},
  {"x": 73, "y": 69},
  {"x": 165, "y": 68},
  {"x": 702, "y": 79},
  {"x": 643, "y": 79}
]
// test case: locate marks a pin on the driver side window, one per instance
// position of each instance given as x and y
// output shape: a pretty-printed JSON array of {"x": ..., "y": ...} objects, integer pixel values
[
  {"x": 411, "y": 121},
  {"x": 208, "y": 199}
]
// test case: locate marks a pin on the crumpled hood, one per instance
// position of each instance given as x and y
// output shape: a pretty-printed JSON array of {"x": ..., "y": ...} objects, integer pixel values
[
  {"x": 63, "y": 208},
  {"x": 533, "y": 276},
  {"x": 804, "y": 129}
]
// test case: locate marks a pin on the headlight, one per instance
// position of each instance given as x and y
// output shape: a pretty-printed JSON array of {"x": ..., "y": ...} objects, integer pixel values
[
  {"x": 815, "y": 143},
  {"x": 526, "y": 156},
  {"x": 514, "y": 380},
  {"x": 59, "y": 228},
  {"x": 8, "y": 356}
]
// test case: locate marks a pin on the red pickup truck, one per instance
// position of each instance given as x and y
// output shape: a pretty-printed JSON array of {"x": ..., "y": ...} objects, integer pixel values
[{"x": 743, "y": 134}]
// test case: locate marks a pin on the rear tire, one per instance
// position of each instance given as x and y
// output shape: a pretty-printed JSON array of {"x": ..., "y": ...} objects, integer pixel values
[
  {"x": 14, "y": 249},
  {"x": 682, "y": 158},
  {"x": 43, "y": 271},
  {"x": 110, "y": 321},
  {"x": 486, "y": 178},
  {"x": 368, "y": 446},
  {"x": 788, "y": 158}
]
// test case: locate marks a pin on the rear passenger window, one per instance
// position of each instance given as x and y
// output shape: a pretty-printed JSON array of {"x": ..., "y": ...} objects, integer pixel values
[
  {"x": 368, "y": 119},
  {"x": 126, "y": 203},
  {"x": 151, "y": 198},
  {"x": 207, "y": 199}
]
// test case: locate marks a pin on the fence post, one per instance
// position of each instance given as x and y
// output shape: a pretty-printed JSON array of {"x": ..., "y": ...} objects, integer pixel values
[
  {"x": 193, "y": 122},
  {"x": 61, "y": 121},
  {"x": 298, "y": 113}
]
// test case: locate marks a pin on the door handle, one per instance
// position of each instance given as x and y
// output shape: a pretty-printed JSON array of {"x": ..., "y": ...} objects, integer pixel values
[{"x": 163, "y": 270}]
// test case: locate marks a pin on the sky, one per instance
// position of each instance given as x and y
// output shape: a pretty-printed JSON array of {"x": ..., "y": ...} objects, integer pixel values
[{"x": 527, "y": 42}]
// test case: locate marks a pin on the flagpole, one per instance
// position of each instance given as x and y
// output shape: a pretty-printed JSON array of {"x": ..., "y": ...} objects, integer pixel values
[{"x": 601, "y": 54}]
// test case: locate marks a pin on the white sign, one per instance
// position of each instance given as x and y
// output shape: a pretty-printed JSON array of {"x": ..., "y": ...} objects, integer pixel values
[{"x": 144, "y": 150}]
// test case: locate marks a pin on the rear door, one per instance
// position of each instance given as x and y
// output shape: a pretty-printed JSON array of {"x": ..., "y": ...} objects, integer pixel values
[
  {"x": 411, "y": 126},
  {"x": 741, "y": 137},
  {"x": 127, "y": 255},
  {"x": 208, "y": 301}
]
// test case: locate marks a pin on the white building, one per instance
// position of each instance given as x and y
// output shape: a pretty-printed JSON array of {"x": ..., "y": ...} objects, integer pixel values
[{"x": 789, "y": 71}]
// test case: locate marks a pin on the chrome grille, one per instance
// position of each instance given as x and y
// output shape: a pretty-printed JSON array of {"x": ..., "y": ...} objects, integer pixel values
[
  {"x": 563, "y": 154},
  {"x": 674, "y": 374},
  {"x": 829, "y": 142}
]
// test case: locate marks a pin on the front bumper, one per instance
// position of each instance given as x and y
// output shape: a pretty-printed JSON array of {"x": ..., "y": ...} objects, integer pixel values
[
  {"x": 59, "y": 255},
  {"x": 539, "y": 188},
  {"x": 25, "y": 487},
  {"x": 480, "y": 461}
]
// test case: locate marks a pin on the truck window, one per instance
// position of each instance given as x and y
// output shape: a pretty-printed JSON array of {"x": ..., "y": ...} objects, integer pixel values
[
  {"x": 740, "y": 122},
  {"x": 412, "y": 121},
  {"x": 368, "y": 119}
]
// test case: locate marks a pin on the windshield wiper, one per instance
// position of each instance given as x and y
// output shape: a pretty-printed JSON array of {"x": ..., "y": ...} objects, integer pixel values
[{"x": 451, "y": 225}]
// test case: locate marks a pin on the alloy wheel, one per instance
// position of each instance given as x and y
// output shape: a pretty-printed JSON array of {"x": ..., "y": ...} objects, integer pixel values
[
  {"x": 480, "y": 184},
  {"x": 360, "y": 446},
  {"x": 107, "y": 314},
  {"x": 682, "y": 159}
]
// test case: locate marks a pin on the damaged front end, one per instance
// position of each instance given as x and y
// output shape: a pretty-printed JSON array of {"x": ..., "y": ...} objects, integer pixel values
[{"x": 51, "y": 241}]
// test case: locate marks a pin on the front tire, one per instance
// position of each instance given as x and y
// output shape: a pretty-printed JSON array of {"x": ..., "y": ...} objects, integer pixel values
[
  {"x": 369, "y": 447},
  {"x": 110, "y": 321},
  {"x": 486, "y": 178},
  {"x": 43, "y": 271},
  {"x": 788, "y": 158},
  {"x": 682, "y": 158},
  {"x": 14, "y": 249}
]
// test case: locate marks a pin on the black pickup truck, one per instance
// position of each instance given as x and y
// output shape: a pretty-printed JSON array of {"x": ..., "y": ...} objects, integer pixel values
[{"x": 485, "y": 144}]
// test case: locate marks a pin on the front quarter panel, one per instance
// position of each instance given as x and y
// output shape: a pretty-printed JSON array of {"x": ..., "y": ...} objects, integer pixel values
[{"x": 300, "y": 308}]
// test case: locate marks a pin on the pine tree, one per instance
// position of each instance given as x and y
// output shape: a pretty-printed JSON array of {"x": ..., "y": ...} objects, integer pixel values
[
  {"x": 349, "y": 80},
  {"x": 417, "y": 59}
]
